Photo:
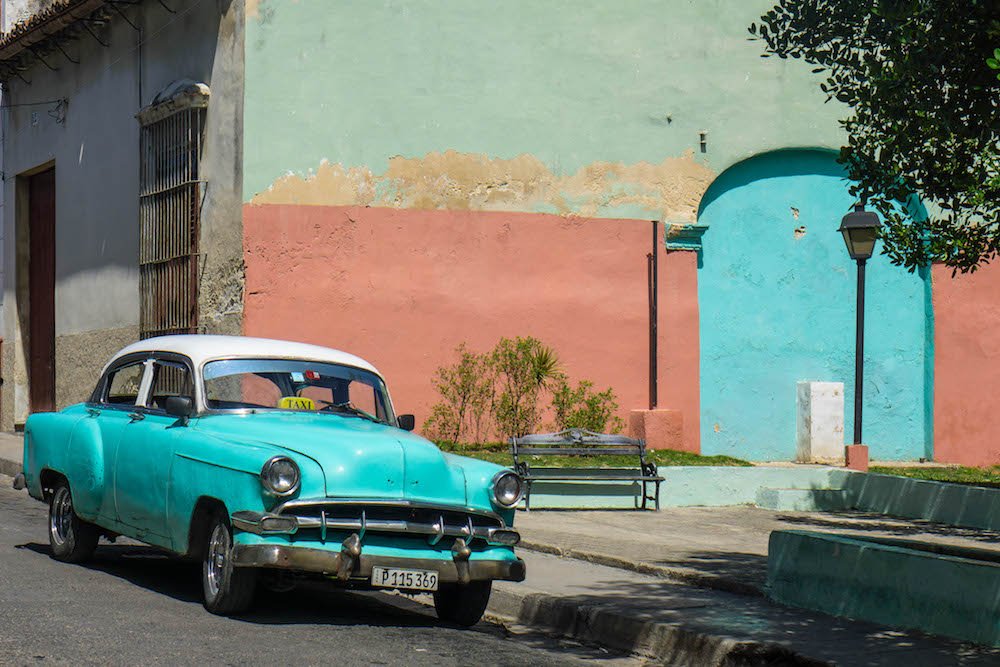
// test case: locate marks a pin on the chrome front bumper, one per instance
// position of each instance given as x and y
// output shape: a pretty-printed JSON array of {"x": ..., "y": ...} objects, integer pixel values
[{"x": 350, "y": 563}]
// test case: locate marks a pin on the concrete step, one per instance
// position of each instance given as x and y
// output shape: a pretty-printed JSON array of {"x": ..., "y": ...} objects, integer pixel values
[{"x": 803, "y": 500}]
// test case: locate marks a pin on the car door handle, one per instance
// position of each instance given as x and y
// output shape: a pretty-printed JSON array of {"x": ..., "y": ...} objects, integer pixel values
[{"x": 136, "y": 416}]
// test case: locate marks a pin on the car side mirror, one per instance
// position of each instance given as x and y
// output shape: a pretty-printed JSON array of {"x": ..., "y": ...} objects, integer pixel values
[
  {"x": 406, "y": 422},
  {"x": 179, "y": 406}
]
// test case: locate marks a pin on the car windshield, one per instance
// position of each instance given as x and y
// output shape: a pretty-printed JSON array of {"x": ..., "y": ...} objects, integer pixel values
[{"x": 303, "y": 386}]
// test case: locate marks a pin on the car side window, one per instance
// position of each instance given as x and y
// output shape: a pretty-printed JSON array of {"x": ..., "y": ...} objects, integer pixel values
[
  {"x": 123, "y": 384},
  {"x": 170, "y": 378}
]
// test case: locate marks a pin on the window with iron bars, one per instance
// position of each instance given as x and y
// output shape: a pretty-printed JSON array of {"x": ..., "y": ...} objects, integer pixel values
[{"x": 170, "y": 193}]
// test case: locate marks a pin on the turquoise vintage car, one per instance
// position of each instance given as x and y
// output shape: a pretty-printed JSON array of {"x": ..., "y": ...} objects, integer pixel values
[{"x": 270, "y": 461}]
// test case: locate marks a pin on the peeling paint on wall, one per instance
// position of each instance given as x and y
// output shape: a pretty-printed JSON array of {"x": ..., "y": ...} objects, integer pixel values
[
  {"x": 330, "y": 185},
  {"x": 469, "y": 181}
]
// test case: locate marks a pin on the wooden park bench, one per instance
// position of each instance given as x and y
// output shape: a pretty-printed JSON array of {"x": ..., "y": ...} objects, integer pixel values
[{"x": 581, "y": 443}]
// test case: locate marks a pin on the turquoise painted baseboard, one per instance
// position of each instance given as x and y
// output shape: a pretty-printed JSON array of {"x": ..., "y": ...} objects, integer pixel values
[
  {"x": 954, "y": 592},
  {"x": 688, "y": 486},
  {"x": 776, "y": 488},
  {"x": 953, "y": 504}
]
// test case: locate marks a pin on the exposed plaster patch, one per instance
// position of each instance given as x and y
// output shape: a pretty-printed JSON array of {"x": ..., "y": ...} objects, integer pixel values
[
  {"x": 330, "y": 185},
  {"x": 466, "y": 181},
  {"x": 469, "y": 181},
  {"x": 795, "y": 212},
  {"x": 799, "y": 232},
  {"x": 262, "y": 10}
]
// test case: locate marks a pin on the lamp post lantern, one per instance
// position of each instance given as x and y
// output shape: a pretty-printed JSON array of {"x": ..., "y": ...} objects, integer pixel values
[{"x": 860, "y": 229}]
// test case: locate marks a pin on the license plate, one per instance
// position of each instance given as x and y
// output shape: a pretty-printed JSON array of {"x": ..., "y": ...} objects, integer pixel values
[{"x": 417, "y": 580}]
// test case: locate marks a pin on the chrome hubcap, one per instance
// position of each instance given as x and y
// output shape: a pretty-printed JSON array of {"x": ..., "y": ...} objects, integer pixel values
[
  {"x": 61, "y": 517},
  {"x": 217, "y": 560}
]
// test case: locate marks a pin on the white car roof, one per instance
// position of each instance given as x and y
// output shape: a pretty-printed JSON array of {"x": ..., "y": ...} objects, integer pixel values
[{"x": 203, "y": 347}]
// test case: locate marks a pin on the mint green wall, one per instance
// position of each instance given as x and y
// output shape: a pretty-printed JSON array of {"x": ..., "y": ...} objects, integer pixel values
[{"x": 571, "y": 83}]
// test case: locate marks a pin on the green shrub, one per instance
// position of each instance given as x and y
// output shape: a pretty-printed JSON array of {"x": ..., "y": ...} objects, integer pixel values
[
  {"x": 584, "y": 408},
  {"x": 492, "y": 396},
  {"x": 522, "y": 367},
  {"x": 467, "y": 392}
]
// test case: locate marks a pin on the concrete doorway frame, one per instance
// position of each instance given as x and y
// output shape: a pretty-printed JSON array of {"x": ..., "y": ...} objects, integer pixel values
[{"x": 24, "y": 399}]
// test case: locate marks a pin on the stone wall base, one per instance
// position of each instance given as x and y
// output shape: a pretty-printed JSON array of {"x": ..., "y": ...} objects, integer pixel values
[
  {"x": 661, "y": 429},
  {"x": 80, "y": 358}
]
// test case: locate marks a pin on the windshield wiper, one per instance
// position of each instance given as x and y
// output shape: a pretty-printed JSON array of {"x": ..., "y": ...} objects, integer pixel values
[{"x": 349, "y": 408}]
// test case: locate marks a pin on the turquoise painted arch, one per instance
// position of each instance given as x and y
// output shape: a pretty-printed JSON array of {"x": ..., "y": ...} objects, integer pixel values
[{"x": 776, "y": 291}]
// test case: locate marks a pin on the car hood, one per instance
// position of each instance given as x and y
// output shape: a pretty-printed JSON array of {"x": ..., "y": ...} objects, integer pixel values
[{"x": 359, "y": 458}]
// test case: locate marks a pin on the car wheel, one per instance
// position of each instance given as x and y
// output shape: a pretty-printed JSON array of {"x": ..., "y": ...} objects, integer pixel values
[
  {"x": 228, "y": 589},
  {"x": 72, "y": 539},
  {"x": 462, "y": 604}
]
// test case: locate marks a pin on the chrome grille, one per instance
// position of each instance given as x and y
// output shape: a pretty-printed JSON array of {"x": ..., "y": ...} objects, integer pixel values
[{"x": 433, "y": 522}]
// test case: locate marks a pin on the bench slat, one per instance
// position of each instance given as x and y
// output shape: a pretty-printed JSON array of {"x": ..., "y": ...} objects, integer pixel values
[
  {"x": 584, "y": 470},
  {"x": 566, "y": 437},
  {"x": 596, "y": 450},
  {"x": 582, "y": 478}
]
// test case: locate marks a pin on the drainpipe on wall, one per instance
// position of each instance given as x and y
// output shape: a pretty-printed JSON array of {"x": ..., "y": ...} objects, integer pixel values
[{"x": 652, "y": 266}]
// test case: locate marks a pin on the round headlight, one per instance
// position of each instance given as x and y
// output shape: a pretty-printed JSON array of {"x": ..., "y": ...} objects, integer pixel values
[
  {"x": 507, "y": 488},
  {"x": 280, "y": 476}
]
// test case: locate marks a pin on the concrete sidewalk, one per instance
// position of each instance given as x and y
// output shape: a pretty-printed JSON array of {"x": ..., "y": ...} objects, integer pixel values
[
  {"x": 11, "y": 453},
  {"x": 716, "y": 547}
]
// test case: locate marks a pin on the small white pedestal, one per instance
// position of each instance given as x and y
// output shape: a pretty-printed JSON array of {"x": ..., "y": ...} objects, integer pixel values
[{"x": 820, "y": 410}]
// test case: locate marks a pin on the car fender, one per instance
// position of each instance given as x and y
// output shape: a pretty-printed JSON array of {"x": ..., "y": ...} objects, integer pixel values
[
  {"x": 229, "y": 472},
  {"x": 47, "y": 438},
  {"x": 478, "y": 480}
]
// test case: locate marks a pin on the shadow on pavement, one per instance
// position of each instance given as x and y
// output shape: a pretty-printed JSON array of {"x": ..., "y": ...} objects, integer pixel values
[
  {"x": 311, "y": 602},
  {"x": 744, "y": 568},
  {"x": 765, "y": 632}
]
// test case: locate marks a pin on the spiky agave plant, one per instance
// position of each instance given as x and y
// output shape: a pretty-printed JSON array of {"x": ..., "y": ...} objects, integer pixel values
[{"x": 545, "y": 365}]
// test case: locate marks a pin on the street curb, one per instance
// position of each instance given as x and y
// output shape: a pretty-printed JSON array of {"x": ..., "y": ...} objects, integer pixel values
[
  {"x": 9, "y": 468},
  {"x": 696, "y": 579},
  {"x": 666, "y": 643}
]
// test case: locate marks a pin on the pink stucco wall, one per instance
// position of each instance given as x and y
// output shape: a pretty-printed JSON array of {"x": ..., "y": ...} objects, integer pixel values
[
  {"x": 966, "y": 366},
  {"x": 679, "y": 351},
  {"x": 403, "y": 288}
]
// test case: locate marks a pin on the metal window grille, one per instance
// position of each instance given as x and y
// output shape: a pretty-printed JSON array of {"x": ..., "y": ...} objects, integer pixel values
[
  {"x": 170, "y": 192},
  {"x": 170, "y": 379}
]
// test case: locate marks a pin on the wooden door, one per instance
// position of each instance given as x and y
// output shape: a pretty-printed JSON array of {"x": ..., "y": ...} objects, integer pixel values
[{"x": 42, "y": 291}]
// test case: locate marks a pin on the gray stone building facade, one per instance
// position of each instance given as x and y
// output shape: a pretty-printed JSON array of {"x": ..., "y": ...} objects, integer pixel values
[{"x": 122, "y": 185}]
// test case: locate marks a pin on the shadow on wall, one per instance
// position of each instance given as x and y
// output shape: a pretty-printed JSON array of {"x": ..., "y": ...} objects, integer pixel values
[
  {"x": 777, "y": 164},
  {"x": 776, "y": 296}
]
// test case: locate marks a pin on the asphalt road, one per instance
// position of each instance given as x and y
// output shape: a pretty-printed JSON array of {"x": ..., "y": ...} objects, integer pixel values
[{"x": 135, "y": 605}]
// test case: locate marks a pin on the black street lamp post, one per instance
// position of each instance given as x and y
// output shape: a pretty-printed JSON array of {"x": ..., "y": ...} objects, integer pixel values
[{"x": 860, "y": 229}]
